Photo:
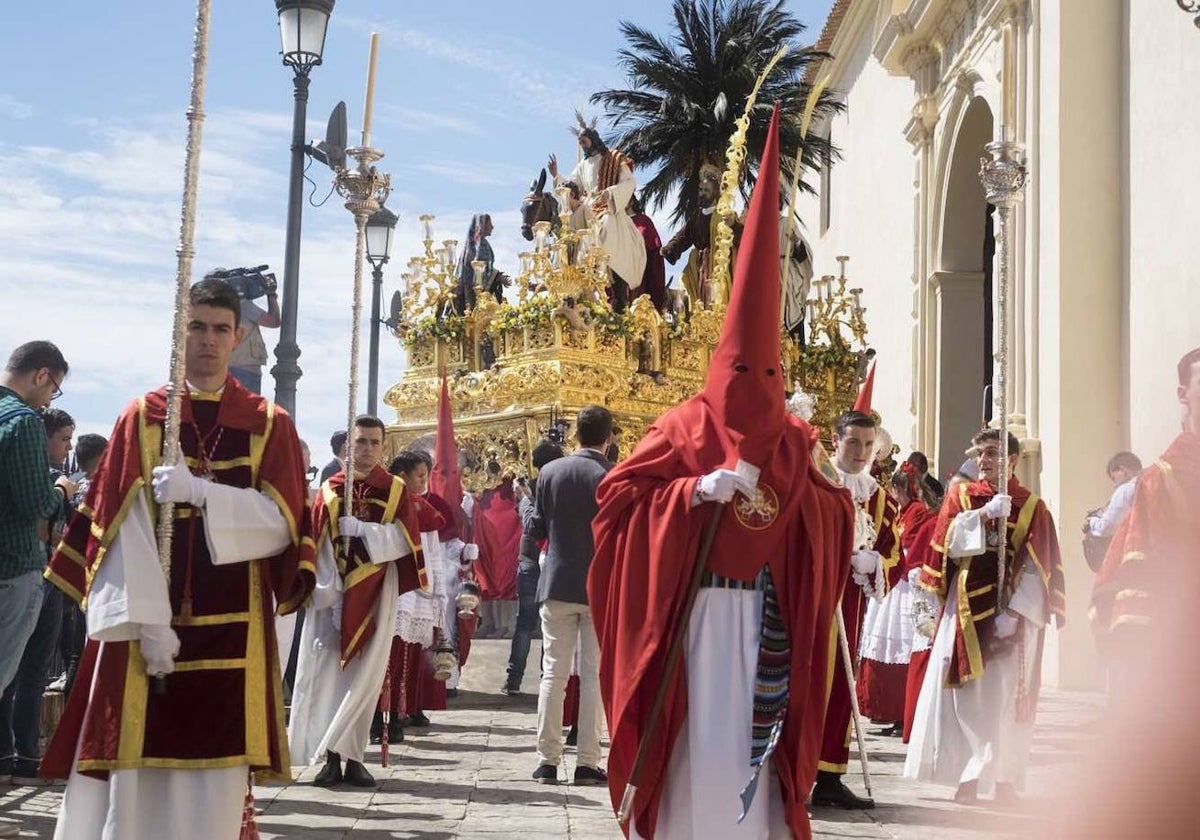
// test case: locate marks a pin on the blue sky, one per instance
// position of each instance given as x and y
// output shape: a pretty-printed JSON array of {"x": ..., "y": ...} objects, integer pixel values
[{"x": 470, "y": 98}]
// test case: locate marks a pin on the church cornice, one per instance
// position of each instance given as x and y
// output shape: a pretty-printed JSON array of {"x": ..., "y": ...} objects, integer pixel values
[{"x": 945, "y": 27}]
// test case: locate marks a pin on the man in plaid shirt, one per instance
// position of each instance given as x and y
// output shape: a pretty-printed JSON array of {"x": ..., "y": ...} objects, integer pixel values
[{"x": 32, "y": 378}]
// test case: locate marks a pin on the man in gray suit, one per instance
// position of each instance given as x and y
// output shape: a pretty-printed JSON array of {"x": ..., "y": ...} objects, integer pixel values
[{"x": 561, "y": 512}]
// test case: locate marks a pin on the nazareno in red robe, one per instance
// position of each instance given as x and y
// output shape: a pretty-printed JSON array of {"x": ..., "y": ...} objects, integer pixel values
[
  {"x": 497, "y": 528},
  {"x": 223, "y": 705},
  {"x": 647, "y": 536}
]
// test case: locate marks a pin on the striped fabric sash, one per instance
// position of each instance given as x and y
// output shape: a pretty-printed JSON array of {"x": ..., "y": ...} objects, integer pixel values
[{"x": 770, "y": 688}]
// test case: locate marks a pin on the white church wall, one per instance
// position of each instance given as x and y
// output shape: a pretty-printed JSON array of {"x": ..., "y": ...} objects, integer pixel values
[{"x": 1162, "y": 173}]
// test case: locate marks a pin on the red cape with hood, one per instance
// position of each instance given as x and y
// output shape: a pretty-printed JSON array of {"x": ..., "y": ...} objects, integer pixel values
[{"x": 647, "y": 534}]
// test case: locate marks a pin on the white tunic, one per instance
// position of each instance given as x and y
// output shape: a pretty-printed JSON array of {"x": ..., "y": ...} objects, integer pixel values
[
  {"x": 129, "y": 590},
  {"x": 619, "y": 236},
  {"x": 332, "y": 706},
  {"x": 710, "y": 762},
  {"x": 971, "y": 733},
  {"x": 421, "y": 611}
]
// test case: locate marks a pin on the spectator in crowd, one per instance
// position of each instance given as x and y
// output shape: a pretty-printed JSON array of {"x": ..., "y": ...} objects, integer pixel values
[
  {"x": 337, "y": 443},
  {"x": 528, "y": 572},
  {"x": 21, "y": 703},
  {"x": 562, "y": 512},
  {"x": 32, "y": 378},
  {"x": 88, "y": 449},
  {"x": 250, "y": 355},
  {"x": 1123, "y": 470}
]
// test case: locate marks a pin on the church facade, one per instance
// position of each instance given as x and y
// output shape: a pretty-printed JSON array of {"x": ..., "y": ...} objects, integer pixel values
[{"x": 1103, "y": 290}]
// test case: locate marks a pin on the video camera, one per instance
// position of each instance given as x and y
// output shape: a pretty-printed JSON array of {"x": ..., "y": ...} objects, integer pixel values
[{"x": 249, "y": 283}]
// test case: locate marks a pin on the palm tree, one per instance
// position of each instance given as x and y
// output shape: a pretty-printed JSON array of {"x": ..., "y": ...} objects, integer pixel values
[{"x": 686, "y": 90}]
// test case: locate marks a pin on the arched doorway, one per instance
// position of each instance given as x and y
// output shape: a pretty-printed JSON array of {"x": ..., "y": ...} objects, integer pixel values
[{"x": 962, "y": 284}]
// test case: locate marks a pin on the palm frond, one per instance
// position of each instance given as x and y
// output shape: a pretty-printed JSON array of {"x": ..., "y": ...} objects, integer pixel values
[{"x": 687, "y": 87}]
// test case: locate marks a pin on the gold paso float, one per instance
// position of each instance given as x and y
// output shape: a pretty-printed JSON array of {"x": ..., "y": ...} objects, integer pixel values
[{"x": 517, "y": 369}]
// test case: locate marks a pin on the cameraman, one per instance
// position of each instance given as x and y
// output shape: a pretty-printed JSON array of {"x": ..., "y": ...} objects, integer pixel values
[
  {"x": 548, "y": 449},
  {"x": 246, "y": 362}
]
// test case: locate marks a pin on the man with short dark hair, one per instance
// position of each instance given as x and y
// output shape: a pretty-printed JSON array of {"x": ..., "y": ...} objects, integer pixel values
[
  {"x": 528, "y": 573},
  {"x": 364, "y": 557},
  {"x": 1123, "y": 471},
  {"x": 870, "y": 565},
  {"x": 337, "y": 443},
  {"x": 32, "y": 378},
  {"x": 562, "y": 512},
  {"x": 178, "y": 697},
  {"x": 21, "y": 703},
  {"x": 1144, "y": 599},
  {"x": 975, "y": 714}
]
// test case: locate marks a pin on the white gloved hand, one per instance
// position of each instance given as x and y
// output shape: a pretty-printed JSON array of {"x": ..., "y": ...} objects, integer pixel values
[
  {"x": 1006, "y": 625},
  {"x": 350, "y": 526},
  {"x": 470, "y": 553},
  {"x": 865, "y": 561},
  {"x": 177, "y": 485},
  {"x": 861, "y": 579},
  {"x": 159, "y": 646},
  {"x": 722, "y": 485},
  {"x": 926, "y": 626},
  {"x": 998, "y": 507}
]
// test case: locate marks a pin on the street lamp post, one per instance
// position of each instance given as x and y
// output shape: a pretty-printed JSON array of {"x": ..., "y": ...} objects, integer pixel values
[
  {"x": 379, "y": 249},
  {"x": 302, "y": 27}
]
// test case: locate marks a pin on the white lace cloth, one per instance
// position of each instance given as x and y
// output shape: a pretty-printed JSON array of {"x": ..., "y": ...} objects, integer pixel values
[
  {"x": 420, "y": 612},
  {"x": 888, "y": 628}
]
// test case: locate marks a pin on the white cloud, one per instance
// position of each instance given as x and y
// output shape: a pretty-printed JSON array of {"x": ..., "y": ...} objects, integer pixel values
[
  {"x": 417, "y": 119},
  {"x": 14, "y": 108}
]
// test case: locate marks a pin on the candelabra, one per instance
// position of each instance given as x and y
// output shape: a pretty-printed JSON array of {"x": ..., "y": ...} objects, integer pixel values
[{"x": 833, "y": 307}]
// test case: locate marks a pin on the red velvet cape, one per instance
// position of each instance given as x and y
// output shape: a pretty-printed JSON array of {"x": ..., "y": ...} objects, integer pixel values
[
  {"x": 647, "y": 536},
  {"x": 1154, "y": 555},
  {"x": 497, "y": 529}
]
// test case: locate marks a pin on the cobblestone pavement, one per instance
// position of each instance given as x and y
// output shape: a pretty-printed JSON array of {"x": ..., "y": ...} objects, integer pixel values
[{"x": 468, "y": 775}]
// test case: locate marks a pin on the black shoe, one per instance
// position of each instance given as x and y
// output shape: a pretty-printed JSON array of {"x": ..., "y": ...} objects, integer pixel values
[
  {"x": 357, "y": 775},
  {"x": 331, "y": 773},
  {"x": 573, "y": 736},
  {"x": 893, "y": 731},
  {"x": 510, "y": 689},
  {"x": 590, "y": 776},
  {"x": 546, "y": 774},
  {"x": 395, "y": 732},
  {"x": 830, "y": 792},
  {"x": 418, "y": 720},
  {"x": 451, "y": 693},
  {"x": 377, "y": 728}
]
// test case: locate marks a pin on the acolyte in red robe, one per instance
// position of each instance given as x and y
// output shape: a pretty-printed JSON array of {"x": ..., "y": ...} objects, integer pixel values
[
  {"x": 223, "y": 703},
  {"x": 1031, "y": 535},
  {"x": 918, "y": 543},
  {"x": 1149, "y": 573},
  {"x": 647, "y": 536},
  {"x": 881, "y": 685},
  {"x": 379, "y": 497},
  {"x": 835, "y": 743}
]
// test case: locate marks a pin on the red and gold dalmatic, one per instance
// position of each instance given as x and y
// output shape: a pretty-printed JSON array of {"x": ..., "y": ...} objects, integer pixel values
[
  {"x": 382, "y": 498},
  {"x": 1154, "y": 555},
  {"x": 835, "y": 744},
  {"x": 1030, "y": 536},
  {"x": 223, "y": 705}
]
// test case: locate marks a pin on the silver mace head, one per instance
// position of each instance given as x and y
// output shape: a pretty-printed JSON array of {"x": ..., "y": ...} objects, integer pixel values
[
  {"x": 1004, "y": 173},
  {"x": 364, "y": 187}
]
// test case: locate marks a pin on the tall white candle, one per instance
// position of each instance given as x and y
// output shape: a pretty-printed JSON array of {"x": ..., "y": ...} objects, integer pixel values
[
  {"x": 366, "y": 129},
  {"x": 1008, "y": 85}
]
